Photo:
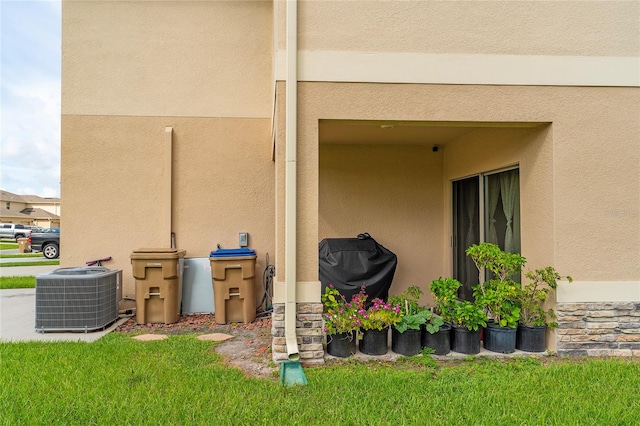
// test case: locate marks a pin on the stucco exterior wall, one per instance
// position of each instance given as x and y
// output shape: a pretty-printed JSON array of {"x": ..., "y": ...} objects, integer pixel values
[
  {"x": 553, "y": 87},
  {"x": 530, "y": 149},
  {"x": 130, "y": 70},
  {"x": 485, "y": 42},
  {"x": 115, "y": 192},
  {"x": 483, "y": 27},
  {"x": 394, "y": 192},
  {"x": 167, "y": 58},
  {"x": 570, "y": 185}
]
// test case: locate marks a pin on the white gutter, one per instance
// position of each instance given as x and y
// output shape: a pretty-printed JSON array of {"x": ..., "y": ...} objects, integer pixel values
[{"x": 290, "y": 312}]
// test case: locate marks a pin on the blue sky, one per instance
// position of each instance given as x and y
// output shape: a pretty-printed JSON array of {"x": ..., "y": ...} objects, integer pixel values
[{"x": 30, "y": 54}]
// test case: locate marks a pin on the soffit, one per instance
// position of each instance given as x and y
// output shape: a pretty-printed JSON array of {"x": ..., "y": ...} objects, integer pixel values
[{"x": 401, "y": 132}]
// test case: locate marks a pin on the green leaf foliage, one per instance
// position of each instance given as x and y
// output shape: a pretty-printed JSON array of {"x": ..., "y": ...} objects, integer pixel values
[
  {"x": 499, "y": 296},
  {"x": 533, "y": 296}
]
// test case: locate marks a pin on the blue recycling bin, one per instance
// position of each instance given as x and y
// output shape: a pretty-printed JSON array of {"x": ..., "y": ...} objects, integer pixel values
[{"x": 233, "y": 272}]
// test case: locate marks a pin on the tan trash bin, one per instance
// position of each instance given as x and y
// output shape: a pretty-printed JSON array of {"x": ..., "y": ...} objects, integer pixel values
[
  {"x": 23, "y": 245},
  {"x": 232, "y": 271},
  {"x": 158, "y": 275}
]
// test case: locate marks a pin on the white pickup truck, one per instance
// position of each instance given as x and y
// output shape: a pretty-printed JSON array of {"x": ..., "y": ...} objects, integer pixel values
[{"x": 14, "y": 231}]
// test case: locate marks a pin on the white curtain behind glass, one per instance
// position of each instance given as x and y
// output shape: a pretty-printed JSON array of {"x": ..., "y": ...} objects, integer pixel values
[
  {"x": 493, "y": 193},
  {"x": 510, "y": 191}
]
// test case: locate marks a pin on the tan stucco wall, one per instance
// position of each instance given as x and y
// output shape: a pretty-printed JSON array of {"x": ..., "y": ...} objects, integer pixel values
[
  {"x": 115, "y": 190},
  {"x": 483, "y": 42},
  {"x": 581, "y": 181},
  {"x": 394, "y": 192},
  {"x": 490, "y": 28},
  {"x": 130, "y": 70},
  {"x": 530, "y": 149},
  {"x": 167, "y": 58},
  {"x": 482, "y": 27}
]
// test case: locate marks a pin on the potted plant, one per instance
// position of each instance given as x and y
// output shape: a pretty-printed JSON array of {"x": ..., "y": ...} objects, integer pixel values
[
  {"x": 534, "y": 318},
  {"x": 375, "y": 322},
  {"x": 445, "y": 294},
  {"x": 436, "y": 335},
  {"x": 498, "y": 296},
  {"x": 465, "y": 317},
  {"x": 406, "y": 334},
  {"x": 468, "y": 319},
  {"x": 341, "y": 322}
]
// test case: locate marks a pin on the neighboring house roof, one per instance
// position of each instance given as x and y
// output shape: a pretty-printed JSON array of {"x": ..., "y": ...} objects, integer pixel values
[
  {"x": 8, "y": 196},
  {"x": 29, "y": 212},
  {"x": 13, "y": 213},
  {"x": 28, "y": 199},
  {"x": 34, "y": 199},
  {"x": 38, "y": 213}
]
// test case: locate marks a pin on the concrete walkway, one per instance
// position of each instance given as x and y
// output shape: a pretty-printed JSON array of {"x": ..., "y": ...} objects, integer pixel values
[
  {"x": 25, "y": 271},
  {"x": 18, "y": 308},
  {"x": 18, "y": 320}
]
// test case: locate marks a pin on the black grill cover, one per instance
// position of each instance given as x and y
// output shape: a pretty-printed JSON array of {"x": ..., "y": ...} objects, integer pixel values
[{"x": 348, "y": 263}]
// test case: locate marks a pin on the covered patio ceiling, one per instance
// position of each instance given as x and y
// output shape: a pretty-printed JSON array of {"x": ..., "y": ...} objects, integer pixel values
[{"x": 385, "y": 132}]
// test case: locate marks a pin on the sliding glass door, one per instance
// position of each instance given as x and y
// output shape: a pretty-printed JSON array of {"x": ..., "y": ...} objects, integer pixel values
[{"x": 486, "y": 207}]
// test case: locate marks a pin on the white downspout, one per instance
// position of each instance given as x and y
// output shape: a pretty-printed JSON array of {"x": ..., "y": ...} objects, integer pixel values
[{"x": 290, "y": 312}]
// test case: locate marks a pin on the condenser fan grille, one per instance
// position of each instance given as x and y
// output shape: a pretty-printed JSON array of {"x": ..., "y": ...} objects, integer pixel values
[{"x": 77, "y": 299}]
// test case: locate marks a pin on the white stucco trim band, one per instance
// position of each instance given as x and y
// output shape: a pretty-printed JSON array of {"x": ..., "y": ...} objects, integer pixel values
[
  {"x": 598, "y": 291},
  {"x": 426, "y": 68}
]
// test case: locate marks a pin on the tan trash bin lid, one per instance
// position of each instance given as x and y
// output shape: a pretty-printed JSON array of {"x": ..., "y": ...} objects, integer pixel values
[
  {"x": 165, "y": 258},
  {"x": 157, "y": 253}
]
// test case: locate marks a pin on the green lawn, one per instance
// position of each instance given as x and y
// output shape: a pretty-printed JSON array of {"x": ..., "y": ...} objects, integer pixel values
[
  {"x": 20, "y": 256},
  {"x": 17, "y": 282},
  {"x": 34, "y": 263},
  {"x": 182, "y": 381}
]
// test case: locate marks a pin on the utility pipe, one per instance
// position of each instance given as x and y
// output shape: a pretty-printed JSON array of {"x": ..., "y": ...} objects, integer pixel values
[
  {"x": 168, "y": 183},
  {"x": 290, "y": 311}
]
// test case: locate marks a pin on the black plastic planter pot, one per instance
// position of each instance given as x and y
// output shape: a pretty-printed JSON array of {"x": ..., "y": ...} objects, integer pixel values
[
  {"x": 375, "y": 342},
  {"x": 465, "y": 341},
  {"x": 342, "y": 345},
  {"x": 500, "y": 339},
  {"x": 531, "y": 338},
  {"x": 439, "y": 341},
  {"x": 408, "y": 343}
]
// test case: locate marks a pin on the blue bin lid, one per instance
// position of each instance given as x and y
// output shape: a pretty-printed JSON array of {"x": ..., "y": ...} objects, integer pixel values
[{"x": 233, "y": 252}]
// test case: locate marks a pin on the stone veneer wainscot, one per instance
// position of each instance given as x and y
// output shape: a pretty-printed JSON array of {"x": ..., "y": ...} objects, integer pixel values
[
  {"x": 599, "y": 329},
  {"x": 308, "y": 330}
]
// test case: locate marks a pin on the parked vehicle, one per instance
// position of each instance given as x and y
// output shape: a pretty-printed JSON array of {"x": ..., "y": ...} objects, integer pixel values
[
  {"x": 14, "y": 230},
  {"x": 47, "y": 241}
]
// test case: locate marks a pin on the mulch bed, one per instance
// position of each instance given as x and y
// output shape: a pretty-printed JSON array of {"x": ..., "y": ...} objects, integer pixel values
[{"x": 196, "y": 323}]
